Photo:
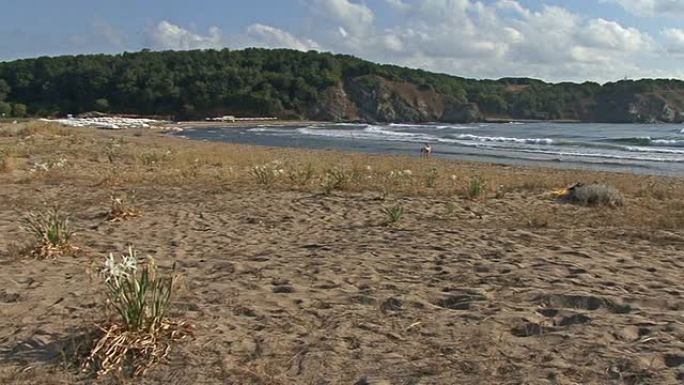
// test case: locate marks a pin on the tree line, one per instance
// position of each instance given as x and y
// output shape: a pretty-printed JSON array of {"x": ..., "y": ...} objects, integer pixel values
[{"x": 279, "y": 82}]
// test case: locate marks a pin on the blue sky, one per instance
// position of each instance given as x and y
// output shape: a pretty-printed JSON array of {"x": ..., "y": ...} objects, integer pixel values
[{"x": 600, "y": 40}]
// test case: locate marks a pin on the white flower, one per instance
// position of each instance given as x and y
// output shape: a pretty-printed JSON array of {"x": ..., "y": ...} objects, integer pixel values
[
  {"x": 407, "y": 172},
  {"x": 129, "y": 263},
  {"x": 113, "y": 270},
  {"x": 453, "y": 178},
  {"x": 369, "y": 168}
]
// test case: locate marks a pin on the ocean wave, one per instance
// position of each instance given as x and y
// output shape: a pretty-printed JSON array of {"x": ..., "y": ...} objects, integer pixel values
[
  {"x": 657, "y": 150},
  {"x": 605, "y": 156},
  {"x": 668, "y": 142},
  {"x": 431, "y": 126},
  {"x": 368, "y": 133},
  {"x": 502, "y": 139},
  {"x": 266, "y": 129},
  {"x": 648, "y": 141},
  {"x": 380, "y": 130}
]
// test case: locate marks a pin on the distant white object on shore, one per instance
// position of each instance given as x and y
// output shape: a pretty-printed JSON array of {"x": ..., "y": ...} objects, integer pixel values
[
  {"x": 111, "y": 123},
  {"x": 225, "y": 118},
  {"x": 231, "y": 118}
]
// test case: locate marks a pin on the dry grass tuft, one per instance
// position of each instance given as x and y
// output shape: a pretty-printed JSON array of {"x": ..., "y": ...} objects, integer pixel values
[
  {"x": 6, "y": 162},
  {"x": 121, "y": 210},
  {"x": 132, "y": 352},
  {"x": 140, "y": 335},
  {"x": 476, "y": 187},
  {"x": 52, "y": 232},
  {"x": 335, "y": 179},
  {"x": 596, "y": 195}
]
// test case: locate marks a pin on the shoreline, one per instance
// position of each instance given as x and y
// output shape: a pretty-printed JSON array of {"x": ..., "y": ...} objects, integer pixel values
[{"x": 393, "y": 148}]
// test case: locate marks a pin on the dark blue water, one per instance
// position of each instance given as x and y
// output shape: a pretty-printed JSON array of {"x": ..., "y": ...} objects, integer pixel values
[{"x": 638, "y": 148}]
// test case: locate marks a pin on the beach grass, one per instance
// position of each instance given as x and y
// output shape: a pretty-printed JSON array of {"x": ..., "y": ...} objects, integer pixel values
[{"x": 117, "y": 159}]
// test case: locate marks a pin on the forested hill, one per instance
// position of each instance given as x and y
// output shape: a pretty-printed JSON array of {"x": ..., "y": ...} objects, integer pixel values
[{"x": 311, "y": 85}]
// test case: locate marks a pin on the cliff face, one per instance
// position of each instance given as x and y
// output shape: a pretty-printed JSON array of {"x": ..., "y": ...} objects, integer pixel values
[
  {"x": 666, "y": 107},
  {"x": 372, "y": 98},
  {"x": 375, "y": 99}
]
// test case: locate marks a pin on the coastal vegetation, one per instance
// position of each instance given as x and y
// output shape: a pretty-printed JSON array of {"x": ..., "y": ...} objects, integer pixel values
[{"x": 311, "y": 85}]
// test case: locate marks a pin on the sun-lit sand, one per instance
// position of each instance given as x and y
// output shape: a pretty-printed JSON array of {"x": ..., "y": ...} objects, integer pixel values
[{"x": 291, "y": 273}]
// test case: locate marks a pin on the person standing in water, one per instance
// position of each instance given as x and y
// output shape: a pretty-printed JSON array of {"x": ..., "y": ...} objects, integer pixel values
[{"x": 425, "y": 150}]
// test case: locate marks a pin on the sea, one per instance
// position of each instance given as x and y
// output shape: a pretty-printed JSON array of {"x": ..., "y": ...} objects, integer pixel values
[{"x": 656, "y": 149}]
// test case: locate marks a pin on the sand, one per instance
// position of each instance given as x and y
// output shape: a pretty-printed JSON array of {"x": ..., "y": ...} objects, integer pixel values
[{"x": 285, "y": 285}]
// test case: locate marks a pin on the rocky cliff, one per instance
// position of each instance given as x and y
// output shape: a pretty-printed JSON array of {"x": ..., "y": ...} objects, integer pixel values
[
  {"x": 372, "y": 98},
  {"x": 375, "y": 99}
]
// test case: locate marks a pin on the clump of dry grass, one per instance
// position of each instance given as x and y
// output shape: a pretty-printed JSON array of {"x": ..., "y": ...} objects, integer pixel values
[
  {"x": 431, "y": 177},
  {"x": 120, "y": 209},
  {"x": 476, "y": 187},
  {"x": 335, "y": 179},
  {"x": 52, "y": 232},
  {"x": 155, "y": 157},
  {"x": 140, "y": 334},
  {"x": 595, "y": 195},
  {"x": 266, "y": 174},
  {"x": 6, "y": 162},
  {"x": 301, "y": 176}
]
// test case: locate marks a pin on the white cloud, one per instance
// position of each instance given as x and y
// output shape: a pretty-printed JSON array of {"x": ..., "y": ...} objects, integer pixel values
[
  {"x": 166, "y": 35},
  {"x": 478, "y": 39},
  {"x": 464, "y": 37},
  {"x": 652, "y": 7},
  {"x": 675, "y": 40},
  {"x": 272, "y": 37},
  {"x": 354, "y": 18},
  {"x": 604, "y": 34}
]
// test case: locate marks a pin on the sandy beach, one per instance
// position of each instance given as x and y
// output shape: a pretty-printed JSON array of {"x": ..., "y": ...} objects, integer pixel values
[{"x": 297, "y": 278}]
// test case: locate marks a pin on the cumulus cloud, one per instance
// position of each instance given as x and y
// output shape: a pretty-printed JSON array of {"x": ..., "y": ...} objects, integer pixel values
[
  {"x": 276, "y": 38},
  {"x": 651, "y": 7},
  {"x": 485, "y": 39},
  {"x": 604, "y": 34},
  {"x": 463, "y": 37},
  {"x": 675, "y": 40},
  {"x": 353, "y": 17},
  {"x": 166, "y": 35}
]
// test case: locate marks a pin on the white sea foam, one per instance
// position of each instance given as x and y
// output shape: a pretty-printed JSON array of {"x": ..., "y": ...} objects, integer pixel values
[
  {"x": 673, "y": 159},
  {"x": 668, "y": 142},
  {"x": 502, "y": 139},
  {"x": 656, "y": 150}
]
